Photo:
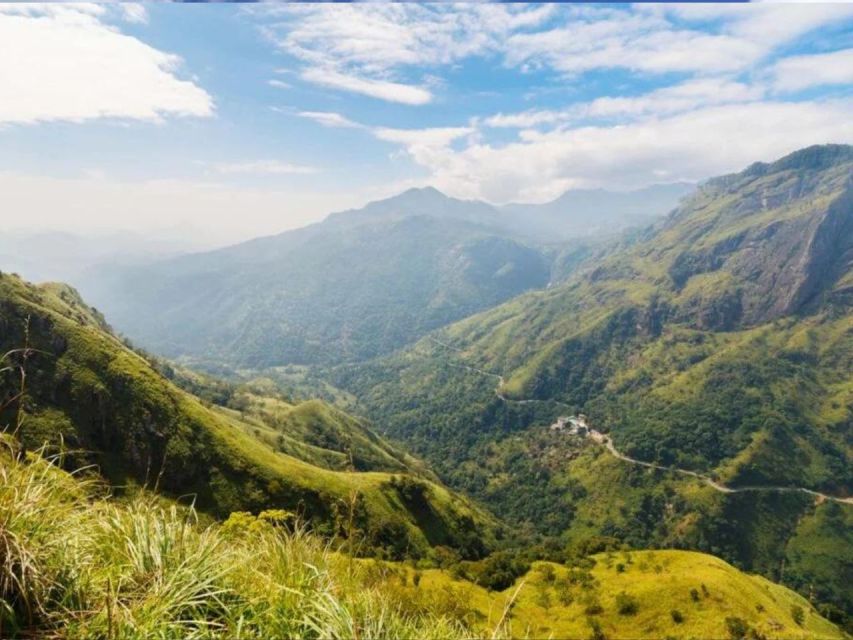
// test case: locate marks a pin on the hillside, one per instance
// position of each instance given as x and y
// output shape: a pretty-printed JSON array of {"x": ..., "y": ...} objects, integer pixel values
[
  {"x": 722, "y": 343},
  {"x": 84, "y": 565},
  {"x": 103, "y": 404}
]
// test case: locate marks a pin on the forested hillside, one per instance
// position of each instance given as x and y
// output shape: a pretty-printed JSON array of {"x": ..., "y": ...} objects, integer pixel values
[
  {"x": 88, "y": 396},
  {"x": 720, "y": 344}
]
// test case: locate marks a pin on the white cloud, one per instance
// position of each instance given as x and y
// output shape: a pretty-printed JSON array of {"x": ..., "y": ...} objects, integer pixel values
[
  {"x": 678, "y": 98},
  {"x": 63, "y": 62},
  {"x": 134, "y": 12},
  {"x": 330, "y": 119},
  {"x": 382, "y": 89},
  {"x": 370, "y": 49},
  {"x": 767, "y": 24},
  {"x": 801, "y": 72},
  {"x": 279, "y": 84},
  {"x": 384, "y": 50},
  {"x": 687, "y": 146},
  {"x": 641, "y": 41},
  {"x": 265, "y": 167}
]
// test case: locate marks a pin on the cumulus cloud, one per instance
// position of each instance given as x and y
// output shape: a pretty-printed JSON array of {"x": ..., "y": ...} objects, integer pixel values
[
  {"x": 64, "y": 62},
  {"x": 688, "y": 146}
]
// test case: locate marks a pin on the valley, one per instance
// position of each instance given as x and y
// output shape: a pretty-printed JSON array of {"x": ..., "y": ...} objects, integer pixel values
[
  {"x": 719, "y": 410},
  {"x": 426, "y": 321},
  {"x": 604, "y": 440}
]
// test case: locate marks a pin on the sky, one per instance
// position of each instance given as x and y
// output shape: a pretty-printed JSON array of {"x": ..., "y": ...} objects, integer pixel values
[{"x": 231, "y": 121}]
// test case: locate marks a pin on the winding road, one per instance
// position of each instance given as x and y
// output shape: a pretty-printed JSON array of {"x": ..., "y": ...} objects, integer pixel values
[{"x": 607, "y": 442}]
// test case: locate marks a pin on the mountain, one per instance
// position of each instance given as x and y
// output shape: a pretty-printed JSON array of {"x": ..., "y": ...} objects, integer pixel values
[
  {"x": 720, "y": 344},
  {"x": 90, "y": 396},
  {"x": 584, "y": 213},
  {"x": 71, "y": 257},
  {"x": 357, "y": 285},
  {"x": 362, "y": 283}
]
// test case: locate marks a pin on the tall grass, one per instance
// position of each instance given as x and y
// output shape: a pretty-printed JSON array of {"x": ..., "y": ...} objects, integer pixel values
[{"x": 76, "y": 564}]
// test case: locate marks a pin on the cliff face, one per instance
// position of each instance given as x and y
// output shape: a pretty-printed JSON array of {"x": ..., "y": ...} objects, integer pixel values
[{"x": 777, "y": 238}]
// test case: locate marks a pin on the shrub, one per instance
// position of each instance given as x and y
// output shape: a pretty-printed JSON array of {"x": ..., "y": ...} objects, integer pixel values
[
  {"x": 500, "y": 570},
  {"x": 694, "y": 595},
  {"x": 597, "y": 633},
  {"x": 798, "y": 615},
  {"x": 593, "y": 608},
  {"x": 677, "y": 616},
  {"x": 76, "y": 565},
  {"x": 626, "y": 605},
  {"x": 564, "y": 594},
  {"x": 737, "y": 628}
]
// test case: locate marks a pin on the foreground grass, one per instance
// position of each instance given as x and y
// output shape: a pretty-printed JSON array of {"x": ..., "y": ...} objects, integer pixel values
[
  {"x": 79, "y": 565},
  {"x": 75, "y": 563}
]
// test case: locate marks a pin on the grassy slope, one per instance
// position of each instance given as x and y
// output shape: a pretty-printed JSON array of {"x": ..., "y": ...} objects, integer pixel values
[
  {"x": 660, "y": 581},
  {"x": 102, "y": 398},
  {"x": 87, "y": 566}
]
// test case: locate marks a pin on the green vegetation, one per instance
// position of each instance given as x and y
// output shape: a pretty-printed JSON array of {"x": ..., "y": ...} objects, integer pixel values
[
  {"x": 99, "y": 403},
  {"x": 722, "y": 342},
  {"x": 80, "y": 564}
]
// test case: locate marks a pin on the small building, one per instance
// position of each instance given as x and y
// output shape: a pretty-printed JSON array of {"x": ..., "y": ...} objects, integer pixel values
[{"x": 560, "y": 424}]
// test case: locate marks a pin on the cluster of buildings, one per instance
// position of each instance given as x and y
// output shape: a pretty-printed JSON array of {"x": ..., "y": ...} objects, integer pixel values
[{"x": 573, "y": 425}]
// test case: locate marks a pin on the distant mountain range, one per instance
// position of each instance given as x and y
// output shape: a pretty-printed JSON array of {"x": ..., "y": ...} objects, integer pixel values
[
  {"x": 585, "y": 213},
  {"x": 361, "y": 283},
  {"x": 44, "y": 256}
]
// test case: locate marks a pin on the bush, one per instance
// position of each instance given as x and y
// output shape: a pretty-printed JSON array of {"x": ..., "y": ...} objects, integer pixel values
[
  {"x": 677, "y": 616},
  {"x": 597, "y": 632},
  {"x": 593, "y": 608},
  {"x": 798, "y": 615},
  {"x": 499, "y": 571},
  {"x": 626, "y": 605},
  {"x": 737, "y": 628},
  {"x": 694, "y": 595}
]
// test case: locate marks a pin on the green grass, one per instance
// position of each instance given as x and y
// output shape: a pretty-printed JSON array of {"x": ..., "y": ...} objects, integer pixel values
[
  {"x": 659, "y": 582},
  {"x": 76, "y": 565},
  {"x": 80, "y": 564}
]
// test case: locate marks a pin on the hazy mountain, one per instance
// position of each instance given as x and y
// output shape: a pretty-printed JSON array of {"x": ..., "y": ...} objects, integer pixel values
[
  {"x": 54, "y": 255},
  {"x": 721, "y": 342},
  {"x": 359, "y": 284},
  {"x": 584, "y": 213}
]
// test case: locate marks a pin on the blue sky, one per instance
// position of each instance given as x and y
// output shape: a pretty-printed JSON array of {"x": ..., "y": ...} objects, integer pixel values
[{"x": 237, "y": 120}]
